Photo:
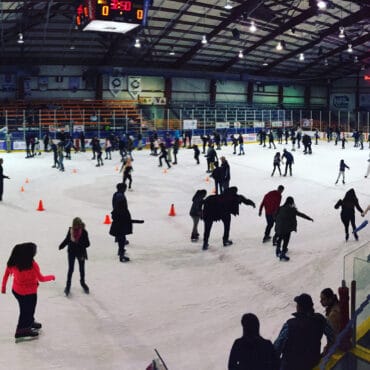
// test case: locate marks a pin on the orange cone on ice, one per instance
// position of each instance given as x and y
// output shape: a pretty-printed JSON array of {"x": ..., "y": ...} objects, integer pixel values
[
  {"x": 74, "y": 171},
  {"x": 164, "y": 171},
  {"x": 27, "y": 181},
  {"x": 40, "y": 207},
  {"x": 172, "y": 211},
  {"x": 107, "y": 220}
]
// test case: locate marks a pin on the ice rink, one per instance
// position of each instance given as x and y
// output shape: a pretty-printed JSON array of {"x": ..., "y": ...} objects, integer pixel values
[{"x": 172, "y": 296}]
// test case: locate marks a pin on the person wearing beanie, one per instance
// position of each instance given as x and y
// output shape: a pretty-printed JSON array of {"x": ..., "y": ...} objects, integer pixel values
[
  {"x": 299, "y": 341},
  {"x": 251, "y": 351}
]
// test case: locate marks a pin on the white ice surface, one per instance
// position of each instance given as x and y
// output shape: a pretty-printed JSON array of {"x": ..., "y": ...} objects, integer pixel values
[{"x": 172, "y": 296}]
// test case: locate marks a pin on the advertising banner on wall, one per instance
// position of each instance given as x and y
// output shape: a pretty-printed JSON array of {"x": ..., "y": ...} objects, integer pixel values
[
  {"x": 222, "y": 124},
  {"x": 151, "y": 100},
  {"x": 257, "y": 124},
  {"x": 365, "y": 100},
  {"x": 115, "y": 85},
  {"x": 190, "y": 124},
  {"x": 342, "y": 101},
  {"x": 134, "y": 86}
]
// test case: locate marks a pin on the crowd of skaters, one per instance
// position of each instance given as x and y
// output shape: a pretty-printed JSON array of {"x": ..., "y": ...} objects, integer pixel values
[{"x": 284, "y": 215}]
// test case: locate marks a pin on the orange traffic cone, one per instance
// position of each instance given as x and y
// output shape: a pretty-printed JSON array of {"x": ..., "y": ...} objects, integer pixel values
[
  {"x": 164, "y": 171},
  {"x": 207, "y": 179},
  {"x": 22, "y": 189},
  {"x": 74, "y": 171},
  {"x": 107, "y": 220},
  {"x": 172, "y": 211},
  {"x": 40, "y": 207},
  {"x": 27, "y": 181}
]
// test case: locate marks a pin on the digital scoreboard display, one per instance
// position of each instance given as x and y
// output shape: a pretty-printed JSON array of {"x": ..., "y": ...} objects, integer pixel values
[{"x": 111, "y": 15}]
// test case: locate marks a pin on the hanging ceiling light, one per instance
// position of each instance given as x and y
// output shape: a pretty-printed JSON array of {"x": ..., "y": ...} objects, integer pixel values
[
  {"x": 241, "y": 55},
  {"x": 341, "y": 33},
  {"x": 355, "y": 59},
  {"x": 321, "y": 4},
  {"x": 227, "y": 5},
  {"x": 350, "y": 50},
  {"x": 204, "y": 39},
  {"x": 265, "y": 63},
  {"x": 326, "y": 63},
  {"x": 137, "y": 43},
  {"x": 253, "y": 27},
  {"x": 172, "y": 51},
  {"x": 301, "y": 57},
  {"x": 20, "y": 38},
  {"x": 279, "y": 46}
]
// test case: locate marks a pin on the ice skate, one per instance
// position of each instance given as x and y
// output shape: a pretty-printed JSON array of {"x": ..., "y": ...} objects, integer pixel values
[
  {"x": 36, "y": 325},
  {"x": 283, "y": 257},
  {"x": 227, "y": 243},
  {"x": 25, "y": 335},
  {"x": 85, "y": 287}
]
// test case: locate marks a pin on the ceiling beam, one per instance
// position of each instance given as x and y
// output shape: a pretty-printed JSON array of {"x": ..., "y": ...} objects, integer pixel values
[
  {"x": 236, "y": 12},
  {"x": 345, "y": 22},
  {"x": 311, "y": 12}
]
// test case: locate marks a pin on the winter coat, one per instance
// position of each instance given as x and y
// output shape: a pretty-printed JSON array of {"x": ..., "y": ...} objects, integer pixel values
[
  {"x": 196, "y": 207},
  {"x": 348, "y": 204},
  {"x": 253, "y": 354},
  {"x": 334, "y": 317},
  {"x": 77, "y": 248},
  {"x": 271, "y": 202},
  {"x": 299, "y": 340},
  {"x": 286, "y": 219},
  {"x": 122, "y": 222}
]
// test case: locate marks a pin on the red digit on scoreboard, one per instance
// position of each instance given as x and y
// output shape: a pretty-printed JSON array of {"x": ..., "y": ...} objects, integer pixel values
[{"x": 126, "y": 6}]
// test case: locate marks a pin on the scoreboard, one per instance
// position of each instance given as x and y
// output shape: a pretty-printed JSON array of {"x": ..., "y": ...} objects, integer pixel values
[{"x": 111, "y": 15}]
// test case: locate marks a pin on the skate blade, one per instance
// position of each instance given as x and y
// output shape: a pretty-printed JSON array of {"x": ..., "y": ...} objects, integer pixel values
[{"x": 25, "y": 339}]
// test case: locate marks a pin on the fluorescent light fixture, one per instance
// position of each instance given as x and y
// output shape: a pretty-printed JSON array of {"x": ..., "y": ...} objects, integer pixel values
[
  {"x": 321, "y": 4},
  {"x": 204, "y": 39},
  {"x": 110, "y": 26},
  {"x": 253, "y": 27},
  {"x": 137, "y": 43},
  {"x": 301, "y": 57},
  {"x": 279, "y": 46},
  {"x": 20, "y": 38},
  {"x": 341, "y": 33},
  {"x": 228, "y": 6},
  {"x": 350, "y": 50},
  {"x": 241, "y": 54},
  {"x": 265, "y": 63},
  {"x": 172, "y": 51}
]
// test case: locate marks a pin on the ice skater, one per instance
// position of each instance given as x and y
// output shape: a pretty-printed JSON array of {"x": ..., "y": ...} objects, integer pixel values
[
  {"x": 342, "y": 169},
  {"x": 220, "y": 208},
  {"x": 196, "y": 212},
  {"x": 289, "y": 160},
  {"x": 241, "y": 144},
  {"x": 163, "y": 155},
  {"x": 276, "y": 163},
  {"x": 77, "y": 240},
  {"x": 2, "y": 177},
  {"x": 347, "y": 214},
  {"x": 26, "y": 276},
  {"x": 285, "y": 223},
  {"x": 127, "y": 170},
  {"x": 368, "y": 168},
  {"x": 196, "y": 153},
  {"x": 122, "y": 226}
]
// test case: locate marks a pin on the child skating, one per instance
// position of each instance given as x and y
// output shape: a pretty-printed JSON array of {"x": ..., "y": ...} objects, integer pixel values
[{"x": 26, "y": 276}]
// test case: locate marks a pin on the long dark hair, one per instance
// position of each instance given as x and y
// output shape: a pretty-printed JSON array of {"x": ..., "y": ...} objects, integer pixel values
[{"x": 22, "y": 256}]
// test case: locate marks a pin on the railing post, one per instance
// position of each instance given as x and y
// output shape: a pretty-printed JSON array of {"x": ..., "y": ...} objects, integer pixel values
[
  {"x": 320, "y": 119},
  {"x": 126, "y": 120},
  {"x": 24, "y": 125},
  {"x": 40, "y": 131},
  {"x": 99, "y": 123}
]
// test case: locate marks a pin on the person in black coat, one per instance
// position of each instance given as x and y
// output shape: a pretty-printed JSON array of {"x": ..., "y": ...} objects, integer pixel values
[
  {"x": 251, "y": 351},
  {"x": 77, "y": 240},
  {"x": 221, "y": 207},
  {"x": 217, "y": 175},
  {"x": 225, "y": 181},
  {"x": 196, "y": 212},
  {"x": 122, "y": 226},
  {"x": 347, "y": 214},
  {"x": 163, "y": 155},
  {"x": 289, "y": 160},
  {"x": 285, "y": 223},
  {"x": 2, "y": 177},
  {"x": 196, "y": 153}
]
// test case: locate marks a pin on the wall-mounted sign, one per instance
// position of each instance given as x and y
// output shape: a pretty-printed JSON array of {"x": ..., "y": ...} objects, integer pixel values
[
  {"x": 189, "y": 124},
  {"x": 342, "y": 101}
]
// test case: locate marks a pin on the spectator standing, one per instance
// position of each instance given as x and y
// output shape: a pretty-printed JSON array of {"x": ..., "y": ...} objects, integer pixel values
[
  {"x": 251, "y": 351},
  {"x": 330, "y": 302},
  {"x": 299, "y": 341}
]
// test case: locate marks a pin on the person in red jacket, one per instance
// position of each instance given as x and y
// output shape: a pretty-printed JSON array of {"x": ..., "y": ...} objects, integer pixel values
[
  {"x": 271, "y": 202},
  {"x": 26, "y": 276}
]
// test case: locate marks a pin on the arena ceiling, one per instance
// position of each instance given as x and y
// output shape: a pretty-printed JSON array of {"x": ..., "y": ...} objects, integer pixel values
[{"x": 171, "y": 41}]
